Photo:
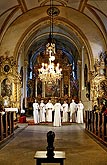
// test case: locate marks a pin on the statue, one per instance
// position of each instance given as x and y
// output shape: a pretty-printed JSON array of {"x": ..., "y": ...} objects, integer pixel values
[{"x": 50, "y": 147}]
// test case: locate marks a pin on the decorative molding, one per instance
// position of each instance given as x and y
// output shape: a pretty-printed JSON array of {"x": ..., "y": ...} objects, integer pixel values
[{"x": 10, "y": 81}]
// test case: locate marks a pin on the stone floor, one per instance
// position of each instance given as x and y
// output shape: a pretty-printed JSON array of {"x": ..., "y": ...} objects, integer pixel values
[{"x": 79, "y": 147}]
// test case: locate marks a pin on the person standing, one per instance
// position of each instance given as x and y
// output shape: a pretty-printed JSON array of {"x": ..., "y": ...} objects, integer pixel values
[
  {"x": 73, "y": 108},
  {"x": 80, "y": 108},
  {"x": 65, "y": 111},
  {"x": 42, "y": 111},
  {"x": 57, "y": 114},
  {"x": 36, "y": 112},
  {"x": 49, "y": 109}
]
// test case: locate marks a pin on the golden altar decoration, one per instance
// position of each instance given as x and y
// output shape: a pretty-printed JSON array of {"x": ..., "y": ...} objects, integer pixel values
[{"x": 10, "y": 82}]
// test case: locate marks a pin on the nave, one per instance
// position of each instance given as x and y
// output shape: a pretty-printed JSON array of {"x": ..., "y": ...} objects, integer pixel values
[{"x": 79, "y": 147}]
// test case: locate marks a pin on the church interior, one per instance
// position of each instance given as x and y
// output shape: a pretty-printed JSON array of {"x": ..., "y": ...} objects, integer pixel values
[{"x": 54, "y": 49}]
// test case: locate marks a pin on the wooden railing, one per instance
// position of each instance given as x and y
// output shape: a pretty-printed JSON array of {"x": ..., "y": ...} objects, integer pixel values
[
  {"x": 96, "y": 124},
  {"x": 6, "y": 125}
]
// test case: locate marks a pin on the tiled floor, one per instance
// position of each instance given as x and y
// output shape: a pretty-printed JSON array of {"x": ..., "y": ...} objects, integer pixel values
[{"x": 80, "y": 148}]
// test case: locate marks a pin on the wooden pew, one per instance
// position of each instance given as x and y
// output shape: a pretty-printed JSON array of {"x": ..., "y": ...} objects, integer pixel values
[{"x": 96, "y": 124}]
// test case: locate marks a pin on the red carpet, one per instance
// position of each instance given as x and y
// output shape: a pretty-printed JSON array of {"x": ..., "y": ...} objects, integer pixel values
[{"x": 31, "y": 122}]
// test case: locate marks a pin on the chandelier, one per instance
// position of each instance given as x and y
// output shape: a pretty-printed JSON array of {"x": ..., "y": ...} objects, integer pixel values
[{"x": 49, "y": 72}]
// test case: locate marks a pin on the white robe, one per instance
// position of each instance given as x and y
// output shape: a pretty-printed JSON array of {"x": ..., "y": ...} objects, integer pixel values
[
  {"x": 35, "y": 112},
  {"x": 73, "y": 108},
  {"x": 65, "y": 112},
  {"x": 42, "y": 112},
  {"x": 80, "y": 108},
  {"x": 49, "y": 109},
  {"x": 57, "y": 115}
]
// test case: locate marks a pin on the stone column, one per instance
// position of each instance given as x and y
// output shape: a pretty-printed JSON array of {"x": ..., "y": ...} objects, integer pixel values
[
  {"x": 25, "y": 82},
  {"x": 36, "y": 83},
  {"x": 25, "y": 78},
  {"x": 82, "y": 69},
  {"x": 79, "y": 76}
]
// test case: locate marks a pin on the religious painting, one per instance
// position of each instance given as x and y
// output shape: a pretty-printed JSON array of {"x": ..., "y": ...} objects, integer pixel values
[
  {"x": 66, "y": 86},
  {"x": 6, "y": 88},
  {"x": 39, "y": 88},
  {"x": 74, "y": 88},
  {"x": 52, "y": 89},
  {"x": 21, "y": 74}
]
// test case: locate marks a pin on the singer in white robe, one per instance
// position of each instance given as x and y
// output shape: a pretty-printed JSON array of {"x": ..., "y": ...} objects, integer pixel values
[
  {"x": 36, "y": 112},
  {"x": 49, "y": 109},
  {"x": 57, "y": 114},
  {"x": 80, "y": 108},
  {"x": 72, "y": 109},
  {"x": 42, "y": 111},
  {"x": 65, "y": 111}
]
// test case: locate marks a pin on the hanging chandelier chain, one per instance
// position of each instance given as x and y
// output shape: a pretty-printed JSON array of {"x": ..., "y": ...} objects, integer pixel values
[
  {"x": 52, "y": 19},
  {"x": 49, "y": 72}
]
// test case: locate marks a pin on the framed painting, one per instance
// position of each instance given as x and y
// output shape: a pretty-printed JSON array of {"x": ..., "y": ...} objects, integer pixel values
[
  {"x": 6, "y": 87},
  {"x": 52, "y": 89}
]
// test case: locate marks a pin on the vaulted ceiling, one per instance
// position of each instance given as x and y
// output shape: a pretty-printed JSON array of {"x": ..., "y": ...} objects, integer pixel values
[
  {"x": 94, "y": 9},
  {"x": 79, "y": 22}
]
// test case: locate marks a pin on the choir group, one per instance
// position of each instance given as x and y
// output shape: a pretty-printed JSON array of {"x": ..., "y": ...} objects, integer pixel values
[{"x": 43, "y": 112}]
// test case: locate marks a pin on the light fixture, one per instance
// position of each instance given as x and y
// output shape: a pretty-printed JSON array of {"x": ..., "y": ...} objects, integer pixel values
[{"x": 49, "y": 72}]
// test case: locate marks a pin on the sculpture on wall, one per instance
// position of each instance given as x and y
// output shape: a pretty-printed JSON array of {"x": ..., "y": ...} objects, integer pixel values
[
  {"x": 6, "y": 87},
  {"x": 98, "y": 79},
  {"x": 103, "y": 85}
]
